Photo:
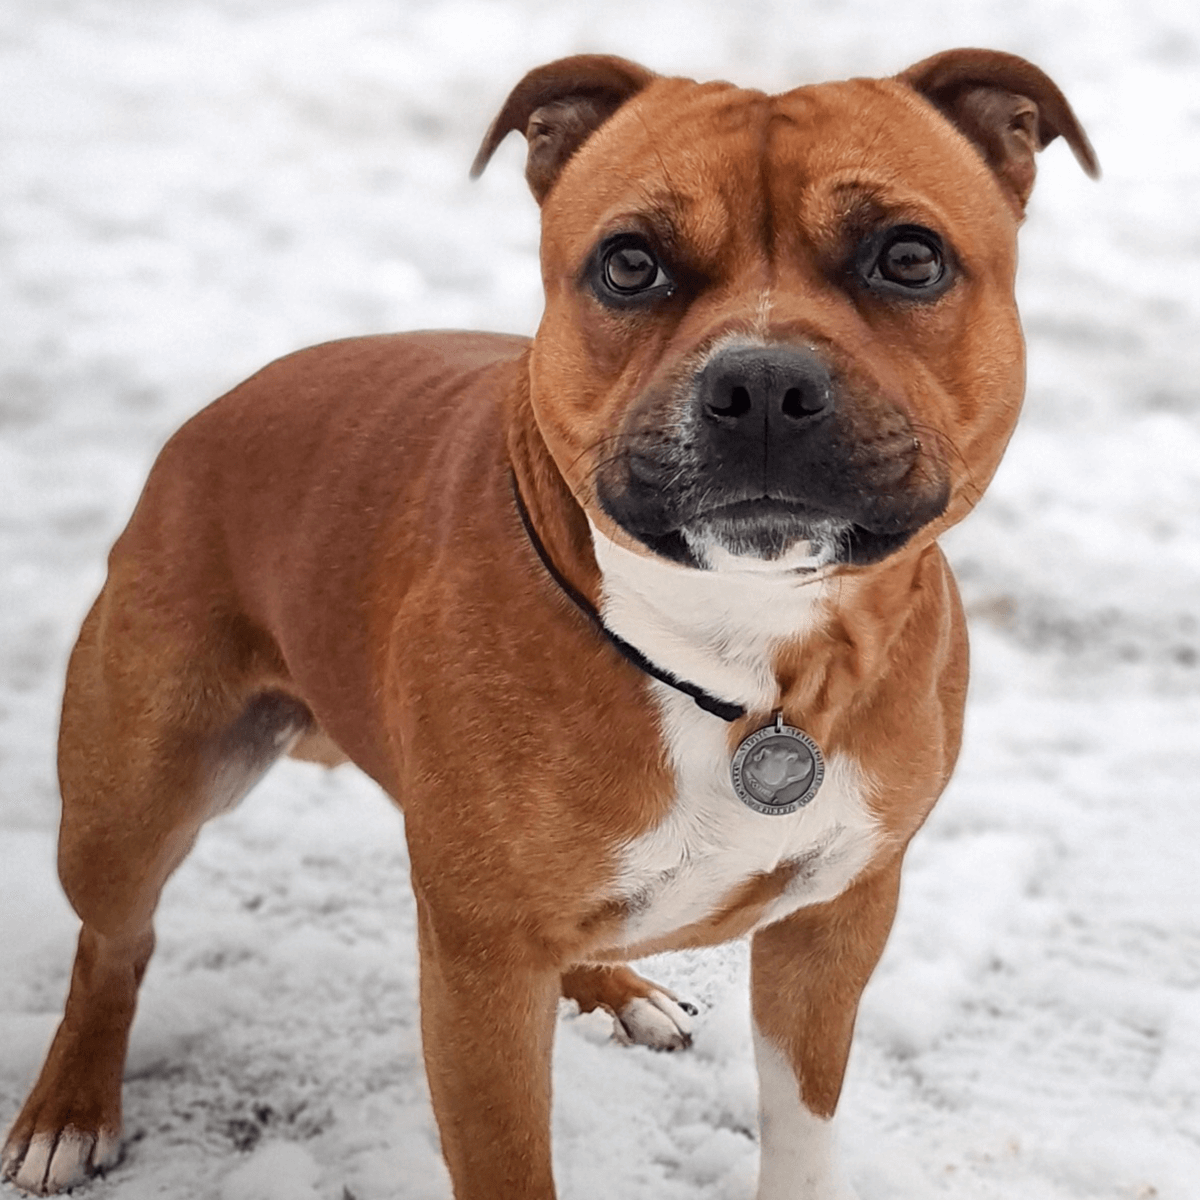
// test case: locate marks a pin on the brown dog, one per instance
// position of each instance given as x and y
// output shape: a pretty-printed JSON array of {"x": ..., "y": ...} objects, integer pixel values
[{"x": 644, "y": 623}]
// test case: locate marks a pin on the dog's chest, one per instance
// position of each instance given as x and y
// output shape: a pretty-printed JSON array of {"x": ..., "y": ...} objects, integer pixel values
[{"x": 711, "y": 848}]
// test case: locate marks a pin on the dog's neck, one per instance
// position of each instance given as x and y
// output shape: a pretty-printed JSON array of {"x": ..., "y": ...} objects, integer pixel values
[
  {"x": 560, "y": 524},
  {"x": 755, "y": 634},
  {"x": 717, "y": 628}
]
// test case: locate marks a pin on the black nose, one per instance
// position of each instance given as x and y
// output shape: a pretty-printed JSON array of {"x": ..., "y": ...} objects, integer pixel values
[{"x": 765, "y": 391}]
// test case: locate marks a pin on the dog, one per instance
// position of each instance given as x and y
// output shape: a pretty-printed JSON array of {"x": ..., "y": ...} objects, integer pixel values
[{"x": 643, "y": 621}]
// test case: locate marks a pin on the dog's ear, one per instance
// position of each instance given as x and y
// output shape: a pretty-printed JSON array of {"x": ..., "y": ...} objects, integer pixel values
[
  {"x": 558, "y": 107},
  {"x": 1006, "y": 106}
]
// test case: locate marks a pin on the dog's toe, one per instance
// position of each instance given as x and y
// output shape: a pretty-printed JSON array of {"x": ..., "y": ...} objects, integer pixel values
[
  {"x": 56, "y": 1162},
  {"x": 655, "y": 1020}
]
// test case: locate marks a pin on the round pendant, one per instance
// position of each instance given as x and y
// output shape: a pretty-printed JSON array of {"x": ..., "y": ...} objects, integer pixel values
[{"x": 777, "y": 769}]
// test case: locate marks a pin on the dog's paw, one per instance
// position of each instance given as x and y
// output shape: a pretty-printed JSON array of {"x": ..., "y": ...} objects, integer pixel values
[
  {"x": 47, "y": 1163},
  {"x": 655, "y": 1020}
]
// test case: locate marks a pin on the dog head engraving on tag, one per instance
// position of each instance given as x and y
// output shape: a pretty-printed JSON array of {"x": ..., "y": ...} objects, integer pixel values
[{"x": 777, "y": 769}]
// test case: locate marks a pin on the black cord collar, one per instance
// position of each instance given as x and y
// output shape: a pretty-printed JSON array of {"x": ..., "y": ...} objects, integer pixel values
[{"x": 706, "y": 700}]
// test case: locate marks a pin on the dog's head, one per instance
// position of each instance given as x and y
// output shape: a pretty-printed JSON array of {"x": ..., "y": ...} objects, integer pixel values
[{"x": 780, "y": 329}]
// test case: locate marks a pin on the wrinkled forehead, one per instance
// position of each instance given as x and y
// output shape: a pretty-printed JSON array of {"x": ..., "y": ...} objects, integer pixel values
[{"x": 711, "y": 162}]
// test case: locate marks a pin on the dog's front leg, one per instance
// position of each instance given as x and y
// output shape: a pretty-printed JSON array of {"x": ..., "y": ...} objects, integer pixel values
[
  {"x": 487, "y": 1024},
  {"x": 807, "y": 974}
]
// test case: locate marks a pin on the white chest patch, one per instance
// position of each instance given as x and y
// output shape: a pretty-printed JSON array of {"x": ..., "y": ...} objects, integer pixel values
[
  {"x": 718, "y": 629},
  {"x": 680, "y": 871}
]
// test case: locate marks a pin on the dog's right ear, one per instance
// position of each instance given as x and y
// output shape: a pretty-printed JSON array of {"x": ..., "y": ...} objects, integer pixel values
[{"x": 558, "y": 107}]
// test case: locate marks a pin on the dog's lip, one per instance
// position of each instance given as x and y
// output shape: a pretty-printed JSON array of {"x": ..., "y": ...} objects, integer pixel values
[
  {"x": 813, "y": 533},
  {"x": 755, "y": 508}
]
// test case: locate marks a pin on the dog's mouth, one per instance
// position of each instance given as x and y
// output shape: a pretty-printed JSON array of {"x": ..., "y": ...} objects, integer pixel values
[
  {"x": 764, "y": 533},
  {"x": 767, "y": 532}
]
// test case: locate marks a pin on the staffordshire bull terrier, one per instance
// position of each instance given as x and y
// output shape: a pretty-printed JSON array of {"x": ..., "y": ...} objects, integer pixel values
[{"x": 643, "y": 622}]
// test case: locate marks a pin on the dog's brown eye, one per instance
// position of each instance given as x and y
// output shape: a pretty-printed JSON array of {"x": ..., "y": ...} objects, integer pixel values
[
  {"x": 629, "y": 269},
  {"x": 911, "y": 259},
  {"x": 625, "y": 273}
]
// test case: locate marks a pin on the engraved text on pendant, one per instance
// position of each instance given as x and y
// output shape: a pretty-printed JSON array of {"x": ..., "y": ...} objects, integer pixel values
[{"x": 777, "y": 769}]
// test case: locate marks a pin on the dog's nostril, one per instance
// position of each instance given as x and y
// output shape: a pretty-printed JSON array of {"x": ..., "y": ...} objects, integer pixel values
[
  {"x": 737, "y": 405},
  {"x": 744, "y": 390},
  {"x": 798, "y": 404}
]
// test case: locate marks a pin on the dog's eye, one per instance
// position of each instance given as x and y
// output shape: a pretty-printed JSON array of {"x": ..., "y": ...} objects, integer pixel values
[
  {"x": 908, "y": 258},
  {"x": 629, "y": 269},
  {"x": 911, "y": 261}
]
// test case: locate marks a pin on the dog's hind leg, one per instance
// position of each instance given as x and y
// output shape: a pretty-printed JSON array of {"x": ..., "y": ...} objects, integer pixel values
[
  {"x": 152, "y": 743},
  {"x": 643, "y": 1012}
]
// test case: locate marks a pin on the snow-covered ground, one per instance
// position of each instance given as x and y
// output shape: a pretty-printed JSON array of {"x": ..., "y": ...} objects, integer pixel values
[{"x": 189, "y": 189}]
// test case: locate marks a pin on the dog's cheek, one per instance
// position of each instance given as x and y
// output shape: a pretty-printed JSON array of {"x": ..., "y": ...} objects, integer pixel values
[
  {"x": 956, "y": 369},
  {"x": 590, "y": 370},
  {"x": 982, "y": 382},
  {"x": 576, "y": 399}
]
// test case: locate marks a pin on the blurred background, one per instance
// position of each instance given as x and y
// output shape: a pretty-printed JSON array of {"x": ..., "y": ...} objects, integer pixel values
[{"x": 188, "y": 190}]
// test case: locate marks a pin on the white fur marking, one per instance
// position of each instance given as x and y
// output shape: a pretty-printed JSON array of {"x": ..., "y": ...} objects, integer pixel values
[
  {"x": 799, "y": 1156},
  {"x": 803, "y": 556},
  {"x": 719, "y": 630},
  {"x": 9, "y": 1157},
  {"x": 655, "y": 1021},
  {"x": 107, "y": 1151},
  {"x": 57, "y": 1164},
  {"x": 32, "y": 1174},
  {"x": 71, "y": 1163},
  {"x": 709, "y": 843},
  {"x": 714, "y": 628},
  {"x": 762, "y": 315}
]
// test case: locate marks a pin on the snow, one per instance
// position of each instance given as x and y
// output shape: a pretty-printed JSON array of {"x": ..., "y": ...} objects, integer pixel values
[
  {"x": 189, "y": 190},
  {"x": 280, "y": 1171}
]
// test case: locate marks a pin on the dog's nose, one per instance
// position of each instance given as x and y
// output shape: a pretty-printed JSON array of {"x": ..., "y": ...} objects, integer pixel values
[{"x": 765, "y": 391}]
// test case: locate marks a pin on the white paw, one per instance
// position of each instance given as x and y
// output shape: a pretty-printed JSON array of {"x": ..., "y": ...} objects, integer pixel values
[
  {"x": 656, "y": 1021},
  {"x": 54, "y": 1163}
]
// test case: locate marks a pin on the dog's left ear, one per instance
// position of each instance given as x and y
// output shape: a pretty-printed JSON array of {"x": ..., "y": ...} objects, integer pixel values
[
  {"x": 1006, "y": 106},
  {"x": 558, "y": 107}
]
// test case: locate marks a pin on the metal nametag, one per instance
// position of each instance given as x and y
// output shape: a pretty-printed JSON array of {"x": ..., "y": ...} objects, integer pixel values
[{"x": 777, "y": 769}]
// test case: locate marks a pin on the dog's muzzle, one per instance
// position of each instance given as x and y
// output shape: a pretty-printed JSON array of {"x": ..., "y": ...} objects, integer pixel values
[{"x": 772, "y": 459}]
